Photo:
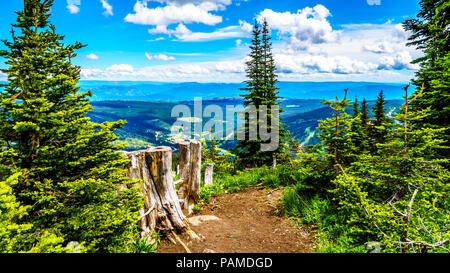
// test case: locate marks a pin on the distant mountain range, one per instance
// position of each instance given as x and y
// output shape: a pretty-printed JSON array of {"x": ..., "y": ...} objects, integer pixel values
[
  {"x": 148, "y": 123},
  {"x": 147, "y": 105},
  {"x": 154, "y": 91}
]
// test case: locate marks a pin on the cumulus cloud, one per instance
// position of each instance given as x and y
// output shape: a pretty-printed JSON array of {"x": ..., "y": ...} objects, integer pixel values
[
  {"x": 108, "y": 8},
  {"x": 306, "y": 27},
  {"x": 159, "y": 57},
  {"x": 379, "y": 47},
  {"x": 307, "y": 48},
  {"x": 176, "y": 12},
  {"x": 321, "y": 64},
  {"x": 245, "y": 26},
  {"x": 182, "y": 13},
  {"x": 72, "y": 6},
  {"x": 401, "y": 60}
]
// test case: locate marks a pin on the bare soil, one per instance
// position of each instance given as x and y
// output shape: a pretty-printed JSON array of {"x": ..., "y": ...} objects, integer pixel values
[{"x": 249, "y": 222}]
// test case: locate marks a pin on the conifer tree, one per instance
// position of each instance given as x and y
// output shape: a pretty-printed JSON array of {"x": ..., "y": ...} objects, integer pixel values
[
  {"x": 431, "y": 34},
  {"x": 399, "y": 196},
  {"x": 67, "y": 173},
  {"x": 357, "y": 134},
  {"x": 335, "y": 134},
  {"x": 381, "y": 125},
  {"x": 261, "y": 91},
  {"x": 365, "y": 118}
]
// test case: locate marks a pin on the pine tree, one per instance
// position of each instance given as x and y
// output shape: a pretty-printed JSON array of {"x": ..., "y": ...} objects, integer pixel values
[
  {"x": 67, "y": 170},
  {"x": 431, "y": 34},
  {"x": 261, "y": 91},
  {"x": 380, "y": 127}
]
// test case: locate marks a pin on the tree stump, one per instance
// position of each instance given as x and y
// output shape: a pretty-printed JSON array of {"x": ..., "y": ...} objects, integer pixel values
[
  {"x": 190, "y": 160},
  {"x": 209, "y": 174},
  {"x": 195, "y": 166},
  {"x": 184, "y": 161},
  {"x": 162, "y": 209}
]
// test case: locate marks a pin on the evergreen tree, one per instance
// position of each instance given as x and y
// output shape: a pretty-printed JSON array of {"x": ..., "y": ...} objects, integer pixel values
[
  {"x": 357, "y": 131},
  {"x": 261, "y": 91},
  {"x": 399, "y": 196},
  {"x": 365, "y": 118},
  {"x": 211, "y": 149},
  {"x": 66, "y": 171},
  {"x": 431, "y": 34},
  {"x": 335, "y": 134},
  {"x": 380, "y": 127}
]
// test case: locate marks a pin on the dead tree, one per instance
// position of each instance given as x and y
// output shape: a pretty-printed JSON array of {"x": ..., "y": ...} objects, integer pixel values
[
  {"x": 190, "y": 161},
  {"x": 195, "y": 165},
  {"x": 162, "y": 209},
  {"x": 209, "y": 174}
]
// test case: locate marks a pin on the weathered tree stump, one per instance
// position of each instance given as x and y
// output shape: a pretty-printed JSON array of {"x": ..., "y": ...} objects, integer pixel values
[
  {"x": 193, "y": 185},
  {"x": 209, "y": 174},
  {"x": 162, "y": 209},
  {"x": 190, "y": 172}
]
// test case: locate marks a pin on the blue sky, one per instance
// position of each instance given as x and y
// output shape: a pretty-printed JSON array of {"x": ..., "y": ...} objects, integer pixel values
[{"x": 207, "y": 40}]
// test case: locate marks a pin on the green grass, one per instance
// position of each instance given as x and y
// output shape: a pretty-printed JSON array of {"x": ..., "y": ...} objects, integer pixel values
[{"x": 226, "y": 183}]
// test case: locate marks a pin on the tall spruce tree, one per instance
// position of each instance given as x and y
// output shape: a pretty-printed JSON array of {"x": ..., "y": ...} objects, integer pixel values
[
  {"x": 431, "y": 34},
  {"x": 379, "y": 131},
  {"x": 60, "y": 167},
  {"x": 261, "y": 90}
]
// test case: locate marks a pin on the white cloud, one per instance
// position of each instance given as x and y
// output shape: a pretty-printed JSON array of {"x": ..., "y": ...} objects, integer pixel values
[
  {"x": 245, "y": 26},
  {"x": 401, "y": 60},
  {"x": 223, "y": 33},
  {"x": 92, "y": 56},
  {"x": 182, "y": 2},
  {"x": 306, "y": 69},
  {"x": 108, "y": 8},
  {"x": 311, "y": 64},
  {"x": 120, "y": 69},
  {"x": 307, "y": 48},
  {"x": 380, "y": 47},
  {"x": 182, "y": 33},
  {"x": 306, "y": 27},
  {"x": 156, "y": 39},
  {"x": 175, "y": 12},
  {"x": 73, "y": 9},
  {"x": 159, "y": 57}
]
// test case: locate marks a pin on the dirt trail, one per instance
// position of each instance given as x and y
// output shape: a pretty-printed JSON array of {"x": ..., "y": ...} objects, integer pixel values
[{"x": 248, "y": 223}]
